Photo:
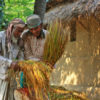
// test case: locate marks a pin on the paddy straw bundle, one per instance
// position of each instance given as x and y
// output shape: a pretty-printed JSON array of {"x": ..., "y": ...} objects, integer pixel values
[
  {"x": 37, "y": 78},
  {"x": 55, "y": 42}
]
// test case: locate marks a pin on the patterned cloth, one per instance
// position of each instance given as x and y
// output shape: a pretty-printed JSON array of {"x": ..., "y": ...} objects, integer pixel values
[
  {"x": 4, "y": 64},
  {"x": 34, "y": 46}
]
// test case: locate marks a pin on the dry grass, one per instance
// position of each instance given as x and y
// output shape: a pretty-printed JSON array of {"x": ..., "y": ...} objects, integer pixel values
[
  {"x": 37, "y": 77},
  {"x": 55, "y": 43},
  {"x": 60, "y": 93}
]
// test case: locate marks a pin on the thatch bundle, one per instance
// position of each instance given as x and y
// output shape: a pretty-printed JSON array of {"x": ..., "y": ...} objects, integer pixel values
[
  {"x": 37, "y": 77},
  {"x": 55, "y": 43}
]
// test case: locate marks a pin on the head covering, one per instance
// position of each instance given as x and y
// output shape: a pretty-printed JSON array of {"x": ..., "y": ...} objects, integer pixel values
[
  {"x": 33, "y": 21},
  {"x": 9, "y": 32},
  {"x": 14, "y": 23}
]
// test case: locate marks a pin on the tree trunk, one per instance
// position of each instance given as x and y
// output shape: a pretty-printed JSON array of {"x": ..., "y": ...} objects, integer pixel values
[
  {"x": 40, "y": 8},
  {"x": 1, "y": 12}
]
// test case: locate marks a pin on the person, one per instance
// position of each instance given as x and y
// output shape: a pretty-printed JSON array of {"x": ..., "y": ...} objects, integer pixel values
[
  {"x": 33, "y": 40},
  {"x": 34, "y": 37},
  {"x": 9, "y": 50}
]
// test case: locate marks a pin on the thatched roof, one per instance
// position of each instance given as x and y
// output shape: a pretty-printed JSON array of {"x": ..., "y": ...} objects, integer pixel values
[
  {"x": 67, "y": 11},
  {"x": 53, "y": 3}
]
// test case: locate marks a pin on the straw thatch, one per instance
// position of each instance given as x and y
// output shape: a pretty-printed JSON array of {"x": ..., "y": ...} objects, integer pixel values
[
  {"x": 67, "y": 11},
  {"x": 53, "y": 3}
]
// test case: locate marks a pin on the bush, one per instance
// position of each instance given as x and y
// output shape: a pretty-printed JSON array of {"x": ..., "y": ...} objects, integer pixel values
[
  {"x": 55, "y": 43},
  {"x": 17, "y": 9}
]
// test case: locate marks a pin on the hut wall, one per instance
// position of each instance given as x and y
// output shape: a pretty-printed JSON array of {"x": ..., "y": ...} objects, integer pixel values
[{"x": 79, "y": 66}]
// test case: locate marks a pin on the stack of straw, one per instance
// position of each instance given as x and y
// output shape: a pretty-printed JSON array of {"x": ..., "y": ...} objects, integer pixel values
[
  {"x": 55, "y": 43},
  {"x": 37, "y": 78}
]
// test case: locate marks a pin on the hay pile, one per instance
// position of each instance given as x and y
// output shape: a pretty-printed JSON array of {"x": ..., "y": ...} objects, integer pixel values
[
  {"x": 37, "y": 77},
  {"x": 55, "y": 43}
]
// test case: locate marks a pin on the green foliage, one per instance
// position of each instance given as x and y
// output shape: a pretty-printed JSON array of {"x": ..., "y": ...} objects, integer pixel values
[
  {"x": 17, "y": 9},
  {"x": 1, "y": 12}
]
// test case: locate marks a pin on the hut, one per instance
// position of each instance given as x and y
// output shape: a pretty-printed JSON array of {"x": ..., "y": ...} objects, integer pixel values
[{"x": 79, "y": 67}]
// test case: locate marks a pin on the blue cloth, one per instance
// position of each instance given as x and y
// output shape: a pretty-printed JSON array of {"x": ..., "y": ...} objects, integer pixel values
[{"x": 21, "y": 80}]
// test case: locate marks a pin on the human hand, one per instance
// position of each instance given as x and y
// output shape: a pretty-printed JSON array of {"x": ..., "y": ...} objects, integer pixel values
[{"x": 14, "y": 65}]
